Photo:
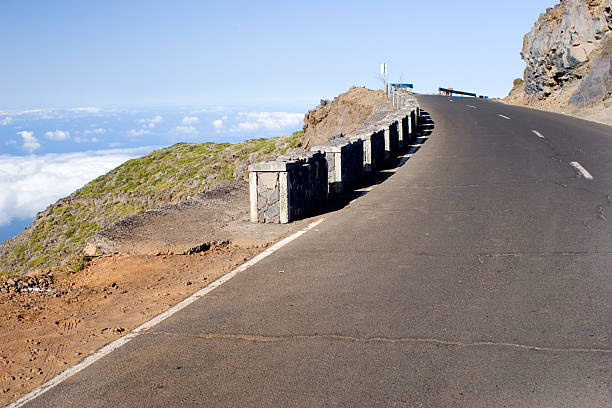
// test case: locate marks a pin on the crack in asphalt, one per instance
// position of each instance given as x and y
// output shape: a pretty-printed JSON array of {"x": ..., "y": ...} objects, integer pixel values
[
  {"x": 255, "y": 338},
  {"x": 517, "y": 254}
]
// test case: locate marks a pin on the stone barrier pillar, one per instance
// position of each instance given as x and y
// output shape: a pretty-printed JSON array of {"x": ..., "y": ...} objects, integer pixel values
[
  {"x": 308, "y": 184},
  {"x": 403, "y": 131},
  {"x": 286, "y": 188},
  {"x": 373, "y": 149},
  {"x": 268, "y": 191},
  {"x": 344, "y": 163},
  {"x": 391, "y": 140}
]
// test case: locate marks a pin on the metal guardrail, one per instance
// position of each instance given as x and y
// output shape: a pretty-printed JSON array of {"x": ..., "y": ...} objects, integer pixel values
[
  {"x": 448, "y": 91},
  {"x": 401, "y": 86}
]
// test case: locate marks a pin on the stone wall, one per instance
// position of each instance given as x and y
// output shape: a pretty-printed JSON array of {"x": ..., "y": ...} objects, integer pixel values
[
  {"x": 299, "y": 184},
  {"x": 344, "y": 163},
  {"x": 307, "y": 184},
  {"x": 373, "y": 148},
  {"x": 288, "y": 187},
  {"x": 391, "y": 140}
]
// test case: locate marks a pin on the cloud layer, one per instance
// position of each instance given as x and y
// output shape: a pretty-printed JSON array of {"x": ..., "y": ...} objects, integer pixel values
[
  {"x": 251, "y": 121},
  {"x": 28, "y": 184}
]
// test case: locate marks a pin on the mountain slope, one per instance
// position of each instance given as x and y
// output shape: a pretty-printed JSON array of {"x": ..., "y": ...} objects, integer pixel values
[{"x": 166, "y": 176}]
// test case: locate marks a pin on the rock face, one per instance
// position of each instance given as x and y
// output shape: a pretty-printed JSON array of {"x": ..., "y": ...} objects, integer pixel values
[
  {"x": 597, "y": 85},
  {"x": 563, "y": 41},
  {"x": 569, "y": 61}
]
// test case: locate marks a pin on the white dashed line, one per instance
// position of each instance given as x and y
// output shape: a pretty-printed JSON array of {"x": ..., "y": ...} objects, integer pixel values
[
  {"x": 503, "y": 116},
  {"x": 538, "y": 134},
  {"x": 582, "y": 170},
  {"x": 471, "y": 106},
  {"x": 158, "y": 319}
]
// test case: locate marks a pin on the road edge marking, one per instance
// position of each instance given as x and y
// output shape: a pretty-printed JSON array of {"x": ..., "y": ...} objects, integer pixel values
[
  {"x": 109, "y": 348},
  {"x": 585, "y": 173}
]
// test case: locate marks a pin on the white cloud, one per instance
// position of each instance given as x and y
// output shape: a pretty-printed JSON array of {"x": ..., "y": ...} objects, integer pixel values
[
  {"x": 78, "y": 139},
  {"x": 28, "y": 184},
  {"x": 98, "y": 131},
  {"x": 33, "y": 111},
  {"x": 190, "y": 120},
  {"x": 58, "y": 135},
  {"x": 30, "y": 143},
  {"x": 251, "y": 121},
  {"x": 7, "y": 120},
  {"x": 151, "y": 123},
  {"x": 157, "y": 119},
  {"x": 92, "y": 110},
  {"x": 138, "y": 132},
  {"x": 185, "y": 129},
  {"x": 217, "y": 124}
]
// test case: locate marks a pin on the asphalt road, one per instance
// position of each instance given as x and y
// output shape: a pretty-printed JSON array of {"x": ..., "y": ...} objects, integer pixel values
[{"x": 479, "y": 274}]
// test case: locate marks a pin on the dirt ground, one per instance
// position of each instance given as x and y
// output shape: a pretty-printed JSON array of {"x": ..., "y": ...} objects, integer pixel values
[
  {"x": 600, "y": 112},
  {"x": 158, "y": 260}
]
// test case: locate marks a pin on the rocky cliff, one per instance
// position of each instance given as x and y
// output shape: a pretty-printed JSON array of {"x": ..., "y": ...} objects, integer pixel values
[{"x": 569, "y": 62}]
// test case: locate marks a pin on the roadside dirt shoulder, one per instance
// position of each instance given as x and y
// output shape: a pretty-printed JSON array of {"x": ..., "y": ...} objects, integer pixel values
[{"x": 154, "y": 261}]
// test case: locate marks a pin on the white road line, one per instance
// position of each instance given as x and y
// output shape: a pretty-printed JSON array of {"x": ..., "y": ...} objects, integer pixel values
[
  {"x": 503, "y": 116},
  {"x": 158, "y": 319},
  {"x": 471, "y": 106},
  {"x": 582, "y": 170},
  {"x": 538, "y": 134}
]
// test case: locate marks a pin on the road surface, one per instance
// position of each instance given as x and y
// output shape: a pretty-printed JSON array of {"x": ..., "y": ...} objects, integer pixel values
[{"x": 479, "y": 274}]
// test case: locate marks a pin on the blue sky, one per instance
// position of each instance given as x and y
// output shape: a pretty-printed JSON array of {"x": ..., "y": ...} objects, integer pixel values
[{"x": 167, "y": 53}]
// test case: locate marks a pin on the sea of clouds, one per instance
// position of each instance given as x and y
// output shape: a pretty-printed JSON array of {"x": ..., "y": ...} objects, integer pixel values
[{"x": 46, "y": 154}]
